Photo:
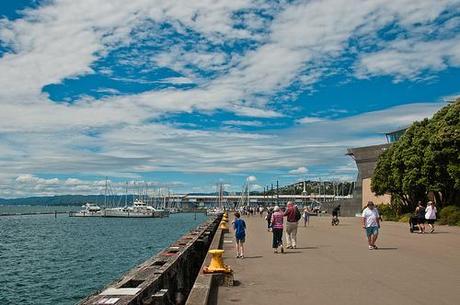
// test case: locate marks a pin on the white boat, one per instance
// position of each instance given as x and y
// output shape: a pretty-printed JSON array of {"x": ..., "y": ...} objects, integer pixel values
[
  {"x": 173, "y": 210},
  {"x": 214, "y": 211},
  {"x": 88, "y": 210},
  {"x": 139, "y": 209}
]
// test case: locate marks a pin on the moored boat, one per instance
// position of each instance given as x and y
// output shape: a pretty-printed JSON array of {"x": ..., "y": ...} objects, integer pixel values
[
  {"x": 88, "y": 210},
  {"x": 139, "y": 209}
]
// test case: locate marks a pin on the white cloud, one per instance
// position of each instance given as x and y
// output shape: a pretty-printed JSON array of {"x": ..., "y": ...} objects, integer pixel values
[
  {"x": 243, "y": 123},
  {"x": 299, "y": 171},
  {"x": 308, "y": 120},
  {"x": 251, "y": 179},
  {"x": 407, "y": 59}
]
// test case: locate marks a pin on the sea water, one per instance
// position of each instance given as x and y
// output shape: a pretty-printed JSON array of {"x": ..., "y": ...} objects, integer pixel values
[{"x": 46, "y": 260}]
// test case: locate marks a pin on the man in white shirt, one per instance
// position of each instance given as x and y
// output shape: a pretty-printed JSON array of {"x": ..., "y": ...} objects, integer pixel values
[{"x": 371, "y": 223}]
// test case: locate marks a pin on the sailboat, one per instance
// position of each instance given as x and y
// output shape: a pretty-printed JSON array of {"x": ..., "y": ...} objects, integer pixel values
[
  {"x": 139, "y": 209},
  {"x": 219, "y": 208}
]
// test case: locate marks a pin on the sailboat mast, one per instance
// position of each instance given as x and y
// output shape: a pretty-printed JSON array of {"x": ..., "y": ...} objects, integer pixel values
[
  {"x": 126, "y": 194},
  {"x": 105, "y": 193}
]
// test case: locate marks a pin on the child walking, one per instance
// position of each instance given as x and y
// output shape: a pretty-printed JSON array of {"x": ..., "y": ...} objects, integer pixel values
[{"x": 240, "y": 235}]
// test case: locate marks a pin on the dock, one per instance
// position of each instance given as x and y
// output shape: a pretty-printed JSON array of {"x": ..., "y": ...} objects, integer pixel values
[
  {"x": 332, "y": 265},
  {"x": 33, "y": 213}
]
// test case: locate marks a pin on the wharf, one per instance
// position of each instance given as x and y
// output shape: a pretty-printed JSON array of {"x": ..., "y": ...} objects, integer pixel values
[
  {"x": 32, "y": 213},
  {"x": 332, "y": 265}
]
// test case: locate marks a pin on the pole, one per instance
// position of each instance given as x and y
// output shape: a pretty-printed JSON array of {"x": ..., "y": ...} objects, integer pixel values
[
  {"x": 272, "y": 194},
  {"x": 277, "y": 193}
]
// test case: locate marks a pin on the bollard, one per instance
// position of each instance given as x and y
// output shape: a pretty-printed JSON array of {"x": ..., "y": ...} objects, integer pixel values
[
  {"x": 217, "y": 263},
  {"x": 223, "y": 226}
]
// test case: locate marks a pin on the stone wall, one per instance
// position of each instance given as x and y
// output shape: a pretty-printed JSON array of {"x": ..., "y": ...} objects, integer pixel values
[{"x": 164, "y": 279}]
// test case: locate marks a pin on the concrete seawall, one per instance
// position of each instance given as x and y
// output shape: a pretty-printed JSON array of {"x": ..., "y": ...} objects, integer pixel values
[{"x": 166, "y": 278}]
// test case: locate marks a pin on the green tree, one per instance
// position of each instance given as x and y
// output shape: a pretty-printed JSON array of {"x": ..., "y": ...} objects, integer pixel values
[
  {"x": 442, "y": 155},
  {"x": 425, "y": 159}
]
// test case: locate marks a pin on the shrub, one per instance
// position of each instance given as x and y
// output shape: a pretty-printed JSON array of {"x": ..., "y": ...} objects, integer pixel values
[
  {"x": 450, "y": 215},
  {"x": 405, "y": 218},
  {"x": 387, "y": 212}
]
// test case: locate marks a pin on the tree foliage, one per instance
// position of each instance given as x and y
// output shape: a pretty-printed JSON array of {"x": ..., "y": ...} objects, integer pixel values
[{"x": 425, "y": 159}]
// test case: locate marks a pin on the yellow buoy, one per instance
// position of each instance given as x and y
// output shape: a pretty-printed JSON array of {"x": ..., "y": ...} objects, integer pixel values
[{"x": 217, "y": 263}]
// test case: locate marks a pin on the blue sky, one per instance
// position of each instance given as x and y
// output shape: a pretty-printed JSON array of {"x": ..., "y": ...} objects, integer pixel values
[{"x": 185, "y": 95}]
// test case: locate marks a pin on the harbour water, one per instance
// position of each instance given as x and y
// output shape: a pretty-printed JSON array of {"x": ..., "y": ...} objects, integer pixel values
[{"x": 46, "y": 260}]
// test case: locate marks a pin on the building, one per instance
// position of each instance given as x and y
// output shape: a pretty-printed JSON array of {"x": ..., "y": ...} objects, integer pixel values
[{"x": 366, "y": 161}]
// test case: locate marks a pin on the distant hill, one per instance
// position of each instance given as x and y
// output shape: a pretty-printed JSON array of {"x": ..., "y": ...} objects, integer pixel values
[{"x": 313, "y": 187}]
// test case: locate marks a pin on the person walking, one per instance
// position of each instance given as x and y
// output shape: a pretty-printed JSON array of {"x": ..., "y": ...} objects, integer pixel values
[
  {"x": 430, "y": 215},
  {"x": 277, "y": 229},
  {"x": 420, "y": 215},
  {"x": 293, "y": 217},
  {"x": 268, "y": 217},
  {"x": 306, "y": 216},
  {"x": 371, "y": 223},
  {"x": 240, "y": 234}
]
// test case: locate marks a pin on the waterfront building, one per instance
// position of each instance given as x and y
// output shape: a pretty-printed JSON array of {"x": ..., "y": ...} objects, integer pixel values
[{"x": 366, "y": 160}]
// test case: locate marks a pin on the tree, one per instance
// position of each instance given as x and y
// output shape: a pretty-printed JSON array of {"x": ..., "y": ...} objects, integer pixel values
[
  {"x": 425, "y": 159},
  {"x": 442, "y": 156}
]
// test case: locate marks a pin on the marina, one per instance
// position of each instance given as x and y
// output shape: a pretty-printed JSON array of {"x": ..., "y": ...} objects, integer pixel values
[
  {"x": 139, "y": 209},
  {"x": 229, "y": 152}
]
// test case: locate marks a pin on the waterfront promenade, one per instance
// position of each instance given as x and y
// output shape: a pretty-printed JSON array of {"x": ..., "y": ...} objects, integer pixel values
[{"x": 332, "y": 265}]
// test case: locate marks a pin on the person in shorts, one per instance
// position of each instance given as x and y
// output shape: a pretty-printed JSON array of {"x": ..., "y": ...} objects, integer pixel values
[
  {"x": 240, "y": 234},
  {"x": 430, "y": 215},
  {"x": 371, "y": 223}
]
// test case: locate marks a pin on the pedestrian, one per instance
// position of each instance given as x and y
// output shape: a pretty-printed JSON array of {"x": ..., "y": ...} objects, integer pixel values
[
  {"x": 261, "y": 211},
  {"x": 371, "y": 223},
  {"x": 293, "y": 217},
  {"x": 430, "y": 215},
  {"x": 277, "y": 229},
  {"x": 420, "y": 215},
  {"x": 269, "y": 218},
  {"x": 240, "y": 234},
  {"x": 306, "y": 216}
]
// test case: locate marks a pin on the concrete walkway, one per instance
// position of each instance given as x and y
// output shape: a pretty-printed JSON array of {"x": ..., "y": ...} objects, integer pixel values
[{"x": 332, "y": 265}]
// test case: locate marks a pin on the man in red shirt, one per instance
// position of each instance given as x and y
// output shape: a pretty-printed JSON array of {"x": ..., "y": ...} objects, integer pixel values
[{"x": 293, "y": 217}]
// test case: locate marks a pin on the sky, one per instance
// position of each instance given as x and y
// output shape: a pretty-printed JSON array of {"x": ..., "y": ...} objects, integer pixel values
[{"x": 187, "y": 94}]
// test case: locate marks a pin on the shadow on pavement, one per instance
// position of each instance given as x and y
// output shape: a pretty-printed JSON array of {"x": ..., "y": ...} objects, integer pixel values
[
  {"x": 386, "y": 249},
  {"x": 250, "y": 257},
  {"x": 307, "y": 248}
]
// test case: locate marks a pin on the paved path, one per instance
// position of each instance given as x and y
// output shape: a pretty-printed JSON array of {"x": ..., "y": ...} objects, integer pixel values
[{"x": 332, "y": 265}]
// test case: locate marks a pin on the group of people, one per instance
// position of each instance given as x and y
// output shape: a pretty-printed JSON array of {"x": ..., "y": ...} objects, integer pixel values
[
  {"x": 276, "y": 224},
  {"x": 425, "y": 215},
  {"x": 371, "y": 220}
]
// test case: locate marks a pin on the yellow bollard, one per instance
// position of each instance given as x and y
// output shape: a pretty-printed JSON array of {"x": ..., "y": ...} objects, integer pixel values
[
  {"x": 225, "y": 219},
  {"x": 223, "y": 226},
  {"x": 217, "y": 263}
]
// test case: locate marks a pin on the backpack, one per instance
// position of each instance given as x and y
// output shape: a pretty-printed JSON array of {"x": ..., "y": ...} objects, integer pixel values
[{"x": 297, "y": 214}]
